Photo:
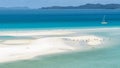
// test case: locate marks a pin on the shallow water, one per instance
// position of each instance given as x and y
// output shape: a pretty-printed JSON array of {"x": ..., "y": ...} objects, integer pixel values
[{"x": 108, "y": 57}]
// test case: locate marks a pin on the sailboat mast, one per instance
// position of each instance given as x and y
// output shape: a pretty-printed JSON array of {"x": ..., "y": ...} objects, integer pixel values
[{"x": 103, "y": 21}]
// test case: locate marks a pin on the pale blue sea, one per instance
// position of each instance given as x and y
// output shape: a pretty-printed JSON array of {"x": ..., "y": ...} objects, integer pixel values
[{"x": 65, "y": 19}]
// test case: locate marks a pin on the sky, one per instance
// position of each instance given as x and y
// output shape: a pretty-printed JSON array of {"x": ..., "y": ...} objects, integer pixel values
[{"x": 46, "y": 3}]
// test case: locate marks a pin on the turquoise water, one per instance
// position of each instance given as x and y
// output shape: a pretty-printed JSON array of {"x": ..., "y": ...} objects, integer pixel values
[
  {"x": 97, "y": 58},
  {"x": 60, "y": 19},
  {"x": 57, "y": 18},
  {"x": 100, "y": 58}
]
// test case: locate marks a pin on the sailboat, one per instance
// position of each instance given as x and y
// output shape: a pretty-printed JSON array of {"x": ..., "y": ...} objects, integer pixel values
[{"x": 104, "y": 22}]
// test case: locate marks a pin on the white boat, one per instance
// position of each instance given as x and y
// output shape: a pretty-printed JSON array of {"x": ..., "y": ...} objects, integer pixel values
[{"x": 104, "y": 22}]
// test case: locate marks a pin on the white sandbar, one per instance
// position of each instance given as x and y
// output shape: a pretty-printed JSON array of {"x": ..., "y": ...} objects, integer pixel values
[{"x": 22, "y": 49}]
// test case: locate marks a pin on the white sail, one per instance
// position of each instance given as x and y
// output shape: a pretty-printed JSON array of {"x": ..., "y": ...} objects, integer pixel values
[{"x": 104, "y": 22}]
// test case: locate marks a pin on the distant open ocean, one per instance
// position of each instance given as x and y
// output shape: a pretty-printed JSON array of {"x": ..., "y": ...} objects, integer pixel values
[
  {"x": 64, "y": 19},
  {"x": 16, "y": 19}
]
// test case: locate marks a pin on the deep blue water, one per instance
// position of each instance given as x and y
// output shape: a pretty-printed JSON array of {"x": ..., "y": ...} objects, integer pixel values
[{"x": 15, "y": 19}]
